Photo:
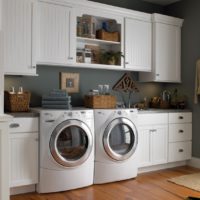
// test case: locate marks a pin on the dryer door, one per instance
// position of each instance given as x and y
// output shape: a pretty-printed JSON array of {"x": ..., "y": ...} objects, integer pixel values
[
  {"x": 71, "y": 143},
  {"x": 120, "y": 139}
]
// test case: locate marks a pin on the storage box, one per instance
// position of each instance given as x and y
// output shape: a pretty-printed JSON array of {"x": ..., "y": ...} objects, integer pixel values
[
  {"x": 17, "y": 102},
  {"x": 100, "y": 101},
  {"x": 103, "y": 35}
]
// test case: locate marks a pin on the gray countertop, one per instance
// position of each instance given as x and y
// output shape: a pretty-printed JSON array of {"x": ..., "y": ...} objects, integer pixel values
[
  {"x": 24, "y": 114},
  {"x": 157, "y": 110}
]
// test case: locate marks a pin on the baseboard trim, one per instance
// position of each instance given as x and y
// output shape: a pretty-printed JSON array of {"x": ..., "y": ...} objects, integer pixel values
[
  {"x": 162, "y": 166},
  {"x": 194, "y": 162},
  {"x": 22, "y": 189}
]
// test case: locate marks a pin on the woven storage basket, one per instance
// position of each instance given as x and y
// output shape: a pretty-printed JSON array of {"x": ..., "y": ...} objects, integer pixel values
[
  {"x": 103, "y": 35},
  {"x": 100, "y": 101},
  {"x": 17, "y": 102}
]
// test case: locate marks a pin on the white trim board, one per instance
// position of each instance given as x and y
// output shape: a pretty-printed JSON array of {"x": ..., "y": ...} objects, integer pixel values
[
  {"x": 22, "y": 189},
  {"x": 162, "y": 166},
  {"x": 194, "y": 162}
]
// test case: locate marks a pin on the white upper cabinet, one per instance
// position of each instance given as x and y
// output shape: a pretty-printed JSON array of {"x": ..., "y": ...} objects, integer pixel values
[
  {"x": 18, "y": 37},
  {"x": 166, "y": 50},
  {"x": 138, "y": 44},
  {"x": 53, "y": 28}
]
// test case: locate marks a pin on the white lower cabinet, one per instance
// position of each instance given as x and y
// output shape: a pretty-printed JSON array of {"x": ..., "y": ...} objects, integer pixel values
[
  {"x": 23, "y": 151},
  {"x": 164, "y": 138},
  {"x": 153, "y": 139},
  {"x": 180, "y": 136}
]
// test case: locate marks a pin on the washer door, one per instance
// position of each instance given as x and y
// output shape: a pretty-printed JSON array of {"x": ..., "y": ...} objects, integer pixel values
[
  {"x": 71, "y": 143},
  {"x": 120, "y": 139}
]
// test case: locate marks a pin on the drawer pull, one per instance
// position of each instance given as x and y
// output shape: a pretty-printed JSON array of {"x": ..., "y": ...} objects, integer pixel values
[
  {"x": 180, "y": 150},
  {"x": 14, "y": 125},
  {"x": 181, "y": 117},
  {"x": 50, "y": 120},
  {"x": 181, "y": 131}
]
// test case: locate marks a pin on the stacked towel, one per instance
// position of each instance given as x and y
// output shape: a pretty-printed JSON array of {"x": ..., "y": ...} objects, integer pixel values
[
  {"x": 56, "y": 99},
  {"x": 197, "y": 82}
]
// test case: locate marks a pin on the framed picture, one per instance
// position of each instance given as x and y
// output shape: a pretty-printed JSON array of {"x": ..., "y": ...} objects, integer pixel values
[{"x": 69, "y": 82}]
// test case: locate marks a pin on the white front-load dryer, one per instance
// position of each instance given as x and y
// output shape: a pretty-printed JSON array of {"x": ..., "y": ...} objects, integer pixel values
[
  {"x": 116, "y": 141},
  {"x": 66, "y": 150}
]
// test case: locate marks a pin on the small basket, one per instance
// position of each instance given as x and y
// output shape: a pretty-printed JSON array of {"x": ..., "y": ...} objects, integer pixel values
[
  {"x": 100, "y": 101},
  {"x": 17, "y": 102},
  {"x": 103, "y": 35}
]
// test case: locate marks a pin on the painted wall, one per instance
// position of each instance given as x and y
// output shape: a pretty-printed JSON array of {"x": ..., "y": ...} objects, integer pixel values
[
  {"x": 89, "y": 79},
  {"x": 189, "y": 11}
]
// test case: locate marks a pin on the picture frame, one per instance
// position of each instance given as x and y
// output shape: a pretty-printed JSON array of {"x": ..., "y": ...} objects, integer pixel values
[{"x": 69, "y": 82}]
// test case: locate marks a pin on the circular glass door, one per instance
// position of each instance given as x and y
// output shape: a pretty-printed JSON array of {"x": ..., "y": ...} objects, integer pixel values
[
  {"x": 71, "y": 143},
  {"x": 120, "y": 139}
]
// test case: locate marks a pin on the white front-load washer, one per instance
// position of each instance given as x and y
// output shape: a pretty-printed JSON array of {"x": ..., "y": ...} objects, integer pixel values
[
  {"x": 116, "y": 141},
  {"x": 66, "y": 150}
]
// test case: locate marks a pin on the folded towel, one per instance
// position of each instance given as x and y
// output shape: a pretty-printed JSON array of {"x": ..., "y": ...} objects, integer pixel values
[
  {"x": 45, "y": 102},
  {"x": 56, "y": 98},
  {"x": 57, "y": 106},
  {"x": 197, "y": 82},
  {"x": 58, "y": 93}
]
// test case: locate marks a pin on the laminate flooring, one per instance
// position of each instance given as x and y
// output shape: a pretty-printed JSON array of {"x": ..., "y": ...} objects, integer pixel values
[{"x": 147, "y": 186}]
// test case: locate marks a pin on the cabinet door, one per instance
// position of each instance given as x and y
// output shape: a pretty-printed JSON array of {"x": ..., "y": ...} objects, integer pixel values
[
  {"x": 144, "y": 146},
  {"x": 159, "y": 144},
  {"x": 53, "y": 34},
  {"x": 167, "y": 52},
  {"x": 17, "y": 33},
  {"x": 23, "y": 159},
  {"x": 138, "y": 45}
]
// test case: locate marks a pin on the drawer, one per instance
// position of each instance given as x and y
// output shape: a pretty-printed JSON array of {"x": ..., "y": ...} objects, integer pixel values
[
  {"x": 180, "y": 117},
  {"x": 179, "y": 151},
  {"x": 152, "y": 119},
  {"x": 180, "y": 132},
  {"x": 22, "y": 124}
]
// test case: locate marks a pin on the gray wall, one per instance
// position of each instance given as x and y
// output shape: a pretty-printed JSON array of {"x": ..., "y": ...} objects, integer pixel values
[
  {"x": 48, "y": 79},
  {"x": 189, "y": 11},
  {"x": 89, "y": 79}
]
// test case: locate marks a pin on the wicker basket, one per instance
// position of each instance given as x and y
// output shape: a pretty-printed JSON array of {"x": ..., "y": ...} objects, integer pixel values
[
  {"x": 100, "y": 101},
  {"x": 17, "y": 102},
  {"x": 103, "y": 35}
]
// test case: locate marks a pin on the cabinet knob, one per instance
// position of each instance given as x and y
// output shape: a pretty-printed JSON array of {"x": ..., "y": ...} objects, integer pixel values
[
  {"x": 33, "y": 67},
  {"x": 14, "y": 125},
  {"x": 181, "y": 131},
  {"x": 36, "y": 139},
  {"x": 181, "y": 117},
  {"x": 180, "y": 150}
]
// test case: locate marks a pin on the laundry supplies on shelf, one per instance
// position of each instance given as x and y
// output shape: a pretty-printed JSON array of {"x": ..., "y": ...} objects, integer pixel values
[{"x": 56, "y": 99}]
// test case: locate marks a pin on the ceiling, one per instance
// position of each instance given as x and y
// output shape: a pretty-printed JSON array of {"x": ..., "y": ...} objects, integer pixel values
[{"x": 162, "y": 2}]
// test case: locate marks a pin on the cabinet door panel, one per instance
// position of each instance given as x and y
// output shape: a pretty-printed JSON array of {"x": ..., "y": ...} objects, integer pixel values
[
  {"x": 159, "y": 142},
  {"x": 144, "y": 146},
  {"x": 17, "y": 28},
  {"x": 167, "y": 52},
  {"x": 53, "y": 43},
  {"x": 23, "y": 159},
  {"x": 138, "y": 45}
]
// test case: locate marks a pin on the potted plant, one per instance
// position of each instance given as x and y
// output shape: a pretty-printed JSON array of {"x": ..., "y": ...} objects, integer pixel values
[{"x": 110, "y": 57}]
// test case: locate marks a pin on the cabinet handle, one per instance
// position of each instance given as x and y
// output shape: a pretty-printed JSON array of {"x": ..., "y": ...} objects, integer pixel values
[
  {"x": 181, "y": 117},
  {"x": 181, "y": 131},
  {"x": 50, "y": 120},
  {"x": 70, "y": 58},
  {"x": 153, "y": 130},
  {"x": 14, "y": 125},
  {"x": 33, "y": 67},
  {"x": 126, "y": 63},
  {"x": 157, "y": 74},
  {"x": 180, "y": 150}
]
